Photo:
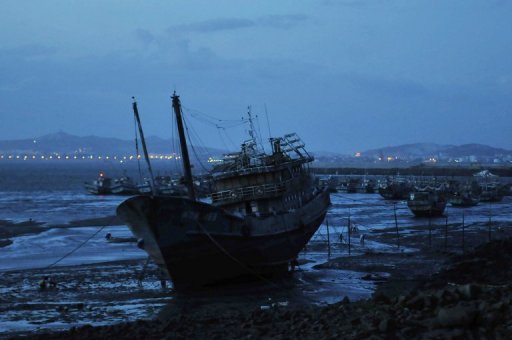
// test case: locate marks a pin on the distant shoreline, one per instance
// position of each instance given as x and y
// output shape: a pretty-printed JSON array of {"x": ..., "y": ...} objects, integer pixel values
[{"x": 412, "y": 171}]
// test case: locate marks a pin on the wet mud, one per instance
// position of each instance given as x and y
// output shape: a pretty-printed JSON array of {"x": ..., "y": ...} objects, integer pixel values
[{"x": 372, "y": 289}]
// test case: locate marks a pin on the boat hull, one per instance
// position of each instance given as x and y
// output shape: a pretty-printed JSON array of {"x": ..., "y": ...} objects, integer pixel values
[
  {"x": 199, "y": 244},
  {"x": 427, "y": 209},
  {"x": 463, "y": 202}
]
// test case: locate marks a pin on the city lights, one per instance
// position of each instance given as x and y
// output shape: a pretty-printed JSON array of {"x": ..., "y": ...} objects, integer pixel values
[{"x": 54, "y": 156}]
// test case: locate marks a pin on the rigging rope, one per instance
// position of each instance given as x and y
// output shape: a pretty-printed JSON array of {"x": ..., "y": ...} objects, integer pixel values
[
  {"x": 192, "y": 145},
  {"x": 243, "y": 265},
  {"x": 208, "y": 118}
]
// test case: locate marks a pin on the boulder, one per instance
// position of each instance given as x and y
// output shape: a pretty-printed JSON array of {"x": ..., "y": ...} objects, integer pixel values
[{"x": 457, "y": 316}]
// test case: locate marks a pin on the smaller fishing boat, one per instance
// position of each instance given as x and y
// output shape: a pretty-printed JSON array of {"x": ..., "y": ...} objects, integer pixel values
[
  {"x": 490, "y": 193},
  {"x": 164, "y": 186},
  {"x": 123, "y": 186},
  {"x": 490, "y": 186},
  {"x": 396, "y": 189},
  {"x": 369, "y": 185},
  {"x": 464, "y": 199},
  {"x": 101, "y": 186},
  {"x": 427, "y": 203},
  {"x": 330, "y": 183},
  {"x": 353, "y": 185}
]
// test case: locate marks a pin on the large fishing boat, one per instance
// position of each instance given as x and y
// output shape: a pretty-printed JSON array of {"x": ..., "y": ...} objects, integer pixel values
[{"x": 264, "y": 209}]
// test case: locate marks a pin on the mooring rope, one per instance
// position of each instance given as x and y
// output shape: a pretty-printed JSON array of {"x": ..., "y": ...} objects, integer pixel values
[
  {"x": 79, "y": 246},
  {"x": 82, "y": 244}
]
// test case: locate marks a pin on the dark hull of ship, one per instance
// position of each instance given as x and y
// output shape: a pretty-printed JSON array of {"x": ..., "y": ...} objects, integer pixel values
[
  {"x": 391, "y": 194},
  {"x": 97, "y": 190},
  {"x": 463, "y": 202},
  {"x": 490, "y": 196},
  {"x": 126, "y": 190},
  {"x": 199, "y": 244},
  {"x": 428, "y": 209}
]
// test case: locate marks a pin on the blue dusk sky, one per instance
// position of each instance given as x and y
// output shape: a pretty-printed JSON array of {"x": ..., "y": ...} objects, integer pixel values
[{"x": 345, "y": 75}]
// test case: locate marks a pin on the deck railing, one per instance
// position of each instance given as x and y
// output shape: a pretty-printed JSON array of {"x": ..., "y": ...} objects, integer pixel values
[{"x": 252, "y": 192}]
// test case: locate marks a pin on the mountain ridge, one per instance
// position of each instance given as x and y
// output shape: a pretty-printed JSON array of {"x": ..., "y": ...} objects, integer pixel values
[
  {"x": 420, "y": 150},
  {"x": 65, "y": 143}
]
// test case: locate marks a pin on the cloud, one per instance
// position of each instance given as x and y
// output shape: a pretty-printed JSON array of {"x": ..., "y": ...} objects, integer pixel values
[
  {"x": 390, "y": 87},
  {"x": 144, "y": 36},
  {"x": 349, "y": 3},
  {"x": 282, "y": 21},
  {"x": 27, "y": 51},
  {"x": 214, "y": 25},
  {"x": 232, "y": 24}
]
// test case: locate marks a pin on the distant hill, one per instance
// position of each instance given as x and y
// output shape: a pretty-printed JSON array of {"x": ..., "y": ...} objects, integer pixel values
[
  {"x": 66, "y": 144},
  {"x": 422, "y": 150}
]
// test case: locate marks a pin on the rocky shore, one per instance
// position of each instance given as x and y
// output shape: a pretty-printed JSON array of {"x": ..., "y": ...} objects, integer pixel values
[{"x": 469, "y": 298}]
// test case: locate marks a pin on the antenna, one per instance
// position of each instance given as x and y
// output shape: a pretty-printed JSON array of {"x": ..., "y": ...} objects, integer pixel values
[
  {"x": 268, "y": 122},
  {"x": 252, "y": 131}
]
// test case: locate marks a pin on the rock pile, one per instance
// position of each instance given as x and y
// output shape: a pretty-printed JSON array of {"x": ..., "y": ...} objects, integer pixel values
[{"x": 456, "y": 311}]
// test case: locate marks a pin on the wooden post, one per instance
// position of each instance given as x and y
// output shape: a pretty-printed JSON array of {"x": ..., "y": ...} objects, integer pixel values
[
  {"x": 490, "y": 220},
  {"x": 396, "y": 226},
  {"x": 446, "y": 234},
  {"x": 328, "y": 239},
  {"x": 349, "y": 227},
  {"x": 430, "y": 230},
  {"x": 463, "y": 245}
]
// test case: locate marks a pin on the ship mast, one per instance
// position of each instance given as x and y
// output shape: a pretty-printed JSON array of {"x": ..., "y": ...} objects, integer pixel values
[
  {"x": 257, "y": 147},
  {"x": 183, "y": 145},
  {"x": 143, "y": 141}
]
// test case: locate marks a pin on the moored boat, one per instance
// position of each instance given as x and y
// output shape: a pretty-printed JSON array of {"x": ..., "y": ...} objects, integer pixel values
[
  {"x": 265, "y": 208},
  {"x": 395, "y": 188},
  {"x": 427, "y": 203},
  {"x": 464, "y": 199},
  {"x": 100, "y": 186},
  {"x": 123, "y": 186},
  {"x": 353, "y": 185},
  {"x": 490, "y": 193},
  {"x": 490, "y": 186}
]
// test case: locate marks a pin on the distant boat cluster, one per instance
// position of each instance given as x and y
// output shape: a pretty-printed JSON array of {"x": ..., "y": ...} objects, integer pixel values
[
  {"x": 125, "y": 186},
  {"x": 426, "y": 197}
]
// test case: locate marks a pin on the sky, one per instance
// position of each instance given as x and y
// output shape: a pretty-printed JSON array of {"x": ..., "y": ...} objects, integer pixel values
[{"x": 346, "y": 75}]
